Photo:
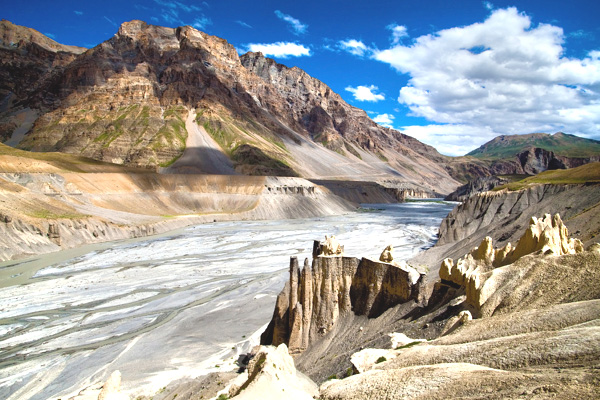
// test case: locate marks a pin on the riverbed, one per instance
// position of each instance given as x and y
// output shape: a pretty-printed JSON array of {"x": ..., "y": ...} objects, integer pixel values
[{"x": 178, "y": 305}]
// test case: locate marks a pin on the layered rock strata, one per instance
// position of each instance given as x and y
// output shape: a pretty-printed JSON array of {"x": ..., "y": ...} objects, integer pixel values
[
  {"x": 42, "y": 213},
  {"x": 143, "y": 96},
  {"x": 316, "y": 297}
]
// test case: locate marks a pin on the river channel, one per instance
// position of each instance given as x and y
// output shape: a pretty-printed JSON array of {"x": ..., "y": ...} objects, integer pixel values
[{"x": 163, "y": 308}]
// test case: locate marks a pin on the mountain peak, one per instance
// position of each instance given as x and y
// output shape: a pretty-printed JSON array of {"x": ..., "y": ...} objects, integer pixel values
[
  {"x": 16, "y": 36},
  {"x": 132, "y": 28},
  {"x": 560, "y": 143}
]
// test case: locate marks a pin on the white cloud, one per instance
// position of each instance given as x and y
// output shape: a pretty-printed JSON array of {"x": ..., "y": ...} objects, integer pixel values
[
  {"x": 354, "y": 46},
  {"x": 452, "y": 139},
  {"x": 200, "y": 23},
  {"x": 110, "y": 21},
  {"x": 500, "y": 76},
  {"x": 386, "y": 120},
  {"x": 366, "y": 93},
  {"x": 50, "y": 35},
  {"x": 488, "y": 5},
  {"x": 295, "y": 24},
  {"x": 79, "y": 13},
  {"x": 242, "y": 23},
  {"x": 280, "y": 49},
  {"x": 171, "y": 13},
  {"x": 398, "y": 32}
]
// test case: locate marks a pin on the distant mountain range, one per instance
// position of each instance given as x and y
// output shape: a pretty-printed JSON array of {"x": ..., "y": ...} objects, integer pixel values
[{"x": 507, "y": 146}]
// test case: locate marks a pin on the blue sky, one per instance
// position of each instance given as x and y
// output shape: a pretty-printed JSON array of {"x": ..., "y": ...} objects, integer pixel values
[{"x": 453, "y": 74}]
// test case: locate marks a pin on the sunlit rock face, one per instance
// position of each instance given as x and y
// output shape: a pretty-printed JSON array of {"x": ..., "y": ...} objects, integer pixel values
[
  {"x": 132, "y": 99},
  {"x": 316, "y": 297},
  {"x": 480, "y": 272}
]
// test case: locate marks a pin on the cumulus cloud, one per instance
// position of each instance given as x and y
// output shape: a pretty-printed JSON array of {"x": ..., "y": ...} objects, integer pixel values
[
  {"x": 296, "y": 26},
  {"x": 398, "y": 32},
  {"x": 500, "y": 76},
  {"x": 366, "y": 93},
  {"x": 353, "y": 46},
  {"x": 280, "y": 49},
  {"x": 386, "y": 120}
]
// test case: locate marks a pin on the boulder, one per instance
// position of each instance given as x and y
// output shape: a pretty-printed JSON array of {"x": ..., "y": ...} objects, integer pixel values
[
  {"x": 366, "y": 359},
  {"x": 332, "y": 247},
  {"x": 401, "y": 340},
  {"x": 386, "y": 255},
  {"x": 272, "y": 374},
  {"x": 112, "y": 388}
]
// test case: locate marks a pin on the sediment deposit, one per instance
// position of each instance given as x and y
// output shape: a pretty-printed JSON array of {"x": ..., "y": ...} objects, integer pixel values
[{"x": 42, "y": 213}]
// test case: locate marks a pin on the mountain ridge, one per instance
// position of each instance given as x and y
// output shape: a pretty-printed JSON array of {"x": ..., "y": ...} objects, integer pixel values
[
  {"x": 127, "y": 100},
  {"x": 560, "y": 143}
]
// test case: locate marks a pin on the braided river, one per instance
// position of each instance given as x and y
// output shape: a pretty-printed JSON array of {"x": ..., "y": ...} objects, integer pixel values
[{"x": 172, "y": 306}]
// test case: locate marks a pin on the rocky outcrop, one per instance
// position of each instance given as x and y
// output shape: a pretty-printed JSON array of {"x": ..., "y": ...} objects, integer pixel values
[
  {"x": 476, "y": 186},
  {"x": 544, "y": 237},
  {"x": 384, "y": 192},
  {"x": 505, "y": 214},
  {"x": 316, "y": 297},
  {"x": 271, "y": 374}
]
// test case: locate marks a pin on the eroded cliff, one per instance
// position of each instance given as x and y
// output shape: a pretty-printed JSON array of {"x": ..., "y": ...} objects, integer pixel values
[
  {"x": 333, "y": 287},
  {"x": 41, "y": 213}
]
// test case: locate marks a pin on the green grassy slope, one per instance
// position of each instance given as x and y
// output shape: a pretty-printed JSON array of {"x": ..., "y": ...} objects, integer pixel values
[
  {"x": 560, "y": 143},
  {"x": 588, "y": 173}
]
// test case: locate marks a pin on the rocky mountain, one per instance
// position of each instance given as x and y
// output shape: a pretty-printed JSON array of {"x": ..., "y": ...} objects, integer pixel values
[
  {"x": 158, "y": 97},
  {"x": 560, "y": 143},
  {"x": 524, "y": 155}
]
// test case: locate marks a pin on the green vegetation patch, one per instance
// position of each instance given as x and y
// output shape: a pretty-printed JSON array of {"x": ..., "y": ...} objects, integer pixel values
[
  {"x": 560, "y": 143},
  {"x": 382, "y": 157},
  {"x": 352, "y": 150},
  {"x": 588, "y": 173},
  {"x": 408, "y": 345},
  {"x": 47, "y": 214}
]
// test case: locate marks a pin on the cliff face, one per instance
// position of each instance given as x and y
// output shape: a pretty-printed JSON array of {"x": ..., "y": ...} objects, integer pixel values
[
  {"x": 504, "y": 214},
  {"x": 317, "y": 297},
  {"x": 128, "y": 101},
  {"x": 42, "y": 213},
  {"x": 475, "y": 186}
]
